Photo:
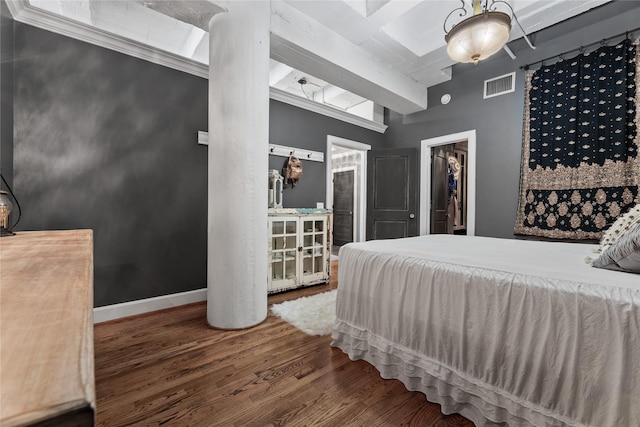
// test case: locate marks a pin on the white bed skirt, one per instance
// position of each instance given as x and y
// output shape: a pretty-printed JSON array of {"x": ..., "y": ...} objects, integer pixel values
[
  {"x": 500, "y": 331},
  {"x": 455, "y": 393}
]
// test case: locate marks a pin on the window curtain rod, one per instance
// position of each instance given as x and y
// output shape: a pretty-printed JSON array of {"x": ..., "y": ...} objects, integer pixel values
[{"x": 580, "y": 49}]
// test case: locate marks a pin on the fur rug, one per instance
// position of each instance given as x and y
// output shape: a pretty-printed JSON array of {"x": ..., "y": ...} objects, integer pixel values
[{"x": 313, "y": 315}]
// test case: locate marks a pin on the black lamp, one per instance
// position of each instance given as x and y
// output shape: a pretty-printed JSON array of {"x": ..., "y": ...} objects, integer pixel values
[{"x": 5, "y": 210}]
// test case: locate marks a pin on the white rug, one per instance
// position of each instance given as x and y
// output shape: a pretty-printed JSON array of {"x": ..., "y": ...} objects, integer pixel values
[{"x": 313, "y": 315}]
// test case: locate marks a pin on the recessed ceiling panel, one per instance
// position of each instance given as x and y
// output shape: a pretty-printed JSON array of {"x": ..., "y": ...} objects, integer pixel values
[{"x": 420, "y": 30}]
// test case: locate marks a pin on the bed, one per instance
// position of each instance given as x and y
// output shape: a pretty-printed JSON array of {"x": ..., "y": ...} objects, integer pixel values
[{"x": 498, "y": 330}]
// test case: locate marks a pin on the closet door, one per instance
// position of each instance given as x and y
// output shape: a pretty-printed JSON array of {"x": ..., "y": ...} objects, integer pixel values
[
  {"x": 343, "y": 207},
  {"x": 392, "y": 193}
]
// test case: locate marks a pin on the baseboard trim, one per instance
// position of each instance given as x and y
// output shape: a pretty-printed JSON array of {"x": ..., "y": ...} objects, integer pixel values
[{"x": 131, "y": 308}]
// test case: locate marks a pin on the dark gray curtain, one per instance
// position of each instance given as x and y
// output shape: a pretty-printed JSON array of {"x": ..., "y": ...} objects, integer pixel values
[{"x": 580, "y": 167}]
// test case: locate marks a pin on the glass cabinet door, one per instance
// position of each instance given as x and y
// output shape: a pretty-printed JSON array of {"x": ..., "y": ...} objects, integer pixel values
[
  {"x": 283, "y": 249},
  {"x": 314, "y": 248},
  {"x": 298, "y": 251}
]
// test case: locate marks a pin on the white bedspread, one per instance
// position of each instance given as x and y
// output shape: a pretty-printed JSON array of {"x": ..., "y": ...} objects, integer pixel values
[{"x": 498, "y": 330}]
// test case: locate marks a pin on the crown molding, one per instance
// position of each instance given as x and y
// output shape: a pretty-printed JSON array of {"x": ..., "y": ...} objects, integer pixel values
[
  {"x": 22, "y": 12},
  {"x": 325, "y": 110}
]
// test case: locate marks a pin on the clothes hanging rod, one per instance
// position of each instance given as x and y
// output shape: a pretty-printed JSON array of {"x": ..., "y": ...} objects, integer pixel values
[{"x": 581, "y": 48}]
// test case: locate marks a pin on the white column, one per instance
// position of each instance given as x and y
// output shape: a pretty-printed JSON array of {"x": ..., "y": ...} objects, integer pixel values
[{"x": 238, "y": 165}]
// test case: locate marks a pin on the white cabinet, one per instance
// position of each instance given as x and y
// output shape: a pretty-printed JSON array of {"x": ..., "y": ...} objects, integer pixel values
[{"x": 299, "y": 248}]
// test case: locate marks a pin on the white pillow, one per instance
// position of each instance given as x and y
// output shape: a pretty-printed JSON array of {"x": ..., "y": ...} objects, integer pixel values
[
  {"x": 624, "y": 254},
  {"x": 620, "y": 227}
]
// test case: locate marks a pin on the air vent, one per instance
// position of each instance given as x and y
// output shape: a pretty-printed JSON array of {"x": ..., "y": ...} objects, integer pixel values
[{"x": 500, "y": 85}]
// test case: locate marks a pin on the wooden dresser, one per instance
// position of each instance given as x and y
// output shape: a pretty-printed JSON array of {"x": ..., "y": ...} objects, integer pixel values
[{"x": 46, "y": 341}]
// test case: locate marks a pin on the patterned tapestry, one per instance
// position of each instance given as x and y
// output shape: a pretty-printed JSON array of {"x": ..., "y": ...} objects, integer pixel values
[{"x": 580, "y": 166}]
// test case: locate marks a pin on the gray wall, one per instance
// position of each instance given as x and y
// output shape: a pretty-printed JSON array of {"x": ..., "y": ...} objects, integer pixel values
[
  {"x": 108, "y": 142},
  {"x": 293, "y": 127},
  {"x": 6, "y": 95},
  {"x": 498, "y": 121}
]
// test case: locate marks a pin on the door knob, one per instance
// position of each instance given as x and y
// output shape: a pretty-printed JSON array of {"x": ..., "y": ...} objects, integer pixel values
[{"x": 412, "y": 216}]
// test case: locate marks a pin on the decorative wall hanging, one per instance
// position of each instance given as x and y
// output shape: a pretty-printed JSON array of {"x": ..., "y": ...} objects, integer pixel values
[
  {"x": 292, "y": 171},
  {"x": 580, "y": 167}
]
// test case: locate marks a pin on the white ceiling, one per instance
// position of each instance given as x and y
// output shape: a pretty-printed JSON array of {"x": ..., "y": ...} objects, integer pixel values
[{"x": 388, "y": 51}]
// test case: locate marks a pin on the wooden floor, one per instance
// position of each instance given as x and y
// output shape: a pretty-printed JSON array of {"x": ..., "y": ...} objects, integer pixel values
[{"x": 171, "y": 368}]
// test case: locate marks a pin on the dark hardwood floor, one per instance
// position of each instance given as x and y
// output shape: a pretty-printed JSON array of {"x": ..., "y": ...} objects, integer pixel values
[{"x": 170, "y": 368}]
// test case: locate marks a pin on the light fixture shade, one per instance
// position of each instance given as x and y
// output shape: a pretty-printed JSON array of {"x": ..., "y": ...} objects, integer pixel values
[
  {"x": 478, "y": 37},
  {"x": 5, "y": 209}
]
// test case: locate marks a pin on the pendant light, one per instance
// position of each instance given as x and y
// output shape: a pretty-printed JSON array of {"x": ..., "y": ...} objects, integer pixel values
[{"x": 479, "y": 36}]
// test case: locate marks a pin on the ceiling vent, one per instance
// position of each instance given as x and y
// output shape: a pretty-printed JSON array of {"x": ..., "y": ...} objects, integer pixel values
[{"x": 500, "y": 85}]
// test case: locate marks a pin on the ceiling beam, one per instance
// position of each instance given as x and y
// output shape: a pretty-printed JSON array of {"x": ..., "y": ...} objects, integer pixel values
[
  {"x": 195, "y": 12},
  {"x": 343, "y": 18},
  {"x": 306, "y": 45},
  {"x": 542, "y": 14}
]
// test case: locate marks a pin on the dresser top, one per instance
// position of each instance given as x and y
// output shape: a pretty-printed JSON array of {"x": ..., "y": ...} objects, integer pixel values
[
  {"x": 46, "y": 312},
  {"x": 298, "y": 211}
]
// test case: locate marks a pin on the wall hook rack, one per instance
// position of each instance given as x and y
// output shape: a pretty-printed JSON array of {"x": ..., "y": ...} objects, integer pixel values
[
  {"x": 277, "y": 150},
  {"x": 283, "y": 151}
]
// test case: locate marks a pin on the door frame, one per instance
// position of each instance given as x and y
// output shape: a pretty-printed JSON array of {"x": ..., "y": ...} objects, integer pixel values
[
  {"x": 425, "y": 177},
  {"x": 356, "y": 211},
  {"x": 360, "y": 229}
]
